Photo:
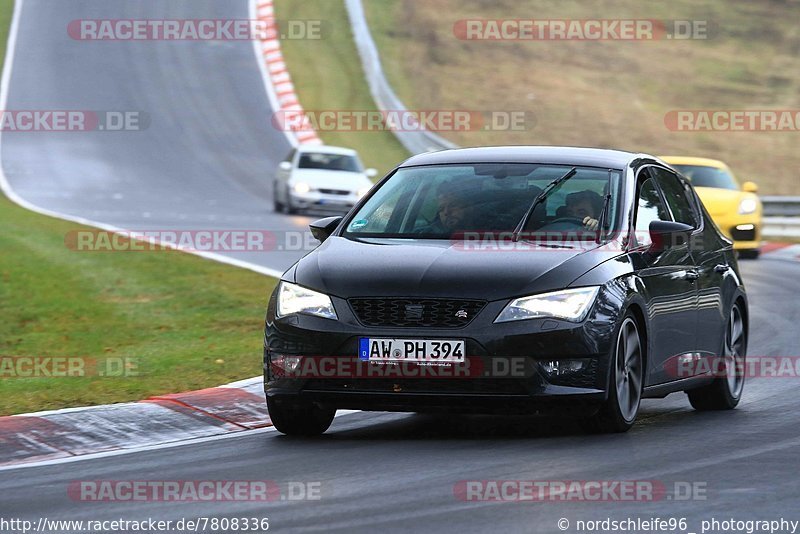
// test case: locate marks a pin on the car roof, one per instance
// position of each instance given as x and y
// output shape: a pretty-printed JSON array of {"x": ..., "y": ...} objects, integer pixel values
[
  {"x": 689, "y": 160},
  {"x": 557, "y": 155},
  {"x": 327, "y": 149}
]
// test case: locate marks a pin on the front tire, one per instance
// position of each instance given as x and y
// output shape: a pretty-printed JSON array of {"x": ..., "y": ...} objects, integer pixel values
[
  {"x": 749, "y": 254},
  {"x": 278, "y": 205},
  {"x": 618, "y": 413},
  {"x": 299, "y": 418},
  {"x": 725, "y": 391}
]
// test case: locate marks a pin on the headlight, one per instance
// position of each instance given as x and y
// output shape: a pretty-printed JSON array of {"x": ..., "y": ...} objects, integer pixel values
[
  {"x": 301, "y": 187},
  {"x": 296, "y": 299},
  {"x": 362, "y": 192},
  {"x": 748, "y": 205},
  {"x": 569, "y": 304}
]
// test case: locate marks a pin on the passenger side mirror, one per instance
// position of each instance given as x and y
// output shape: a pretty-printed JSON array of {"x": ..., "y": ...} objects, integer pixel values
[
  {"x": 285, "y": 166},
  {"x": 668, "y": 234},
  {"x": 750, "y": 187},
  {"x": 323, "y": 228},
  {"x": 371, "y": 173}
]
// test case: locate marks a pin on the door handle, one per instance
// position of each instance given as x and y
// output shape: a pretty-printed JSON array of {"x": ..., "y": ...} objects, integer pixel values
[
  {"x": 721, "y": 268},
  {"x": 690, "y": 275}
]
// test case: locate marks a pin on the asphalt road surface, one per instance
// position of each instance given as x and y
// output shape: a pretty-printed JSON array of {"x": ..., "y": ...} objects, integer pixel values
[
  {"x": 397, "y": 472},
  {"x": 205, "y": 160}
]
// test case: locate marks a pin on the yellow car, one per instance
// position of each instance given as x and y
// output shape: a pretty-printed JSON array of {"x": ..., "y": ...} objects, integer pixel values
[{"x": 734, "y": 208}]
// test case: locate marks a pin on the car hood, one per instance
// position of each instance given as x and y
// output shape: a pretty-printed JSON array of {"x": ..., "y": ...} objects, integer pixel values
[
  {"x": 317, "y": 178},
  {"x": 438, "y": 268},
  {"x": 720, "y": 201}
]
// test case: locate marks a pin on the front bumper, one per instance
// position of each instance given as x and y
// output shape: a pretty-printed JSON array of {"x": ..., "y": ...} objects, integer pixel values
[
  {"x": 743, "y": 230},
  {"x": 506, "y": 369},
  {"x": 322, "y": 201}
]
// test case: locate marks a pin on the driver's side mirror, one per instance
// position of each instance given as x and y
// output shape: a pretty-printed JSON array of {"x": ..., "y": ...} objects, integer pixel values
[
  {"x": 323, "y": 228},
  {"x": 750, "y": 187},
  {"x": 371, "y": 173},
  {"x": 285, "y": 166},
  {"x": 668, "y": 234}
]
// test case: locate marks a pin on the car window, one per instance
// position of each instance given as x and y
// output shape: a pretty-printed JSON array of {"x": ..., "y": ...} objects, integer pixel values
[
  {"x": 440, "y": 201},
  {"x": 704, "y": 176},
  {"x": 329, "y": 162},
  {"x": 649, "y": 208},
  {"x": 677, "y": 197}
]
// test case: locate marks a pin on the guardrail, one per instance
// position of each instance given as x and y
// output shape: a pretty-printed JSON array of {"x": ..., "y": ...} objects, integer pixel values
[{"x": 781, "y": 216}]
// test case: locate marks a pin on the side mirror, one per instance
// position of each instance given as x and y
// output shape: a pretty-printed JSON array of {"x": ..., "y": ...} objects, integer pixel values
[
  {"x": 668, "y": 234},
  {"x": 285, "y": 166},
  {"x": 750, "y": 187},
  {"x": 371, "y": 173},
  {"x": 323, "y": 228}
]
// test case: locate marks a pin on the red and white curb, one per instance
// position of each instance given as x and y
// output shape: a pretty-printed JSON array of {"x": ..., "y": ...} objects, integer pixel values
[
  {"x": 278, "y": 74},
  {"x": 161, "y": 419},
  {"x": 781, "y": 251}
]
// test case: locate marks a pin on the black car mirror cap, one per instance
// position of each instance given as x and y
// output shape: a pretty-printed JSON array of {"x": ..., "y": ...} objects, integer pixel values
[
  {"x": 668, "y": 234},
  {"x": 323, "y": 228}
]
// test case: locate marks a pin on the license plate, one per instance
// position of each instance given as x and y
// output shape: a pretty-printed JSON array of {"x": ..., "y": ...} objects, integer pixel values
[{"x": 411, "y": 350}]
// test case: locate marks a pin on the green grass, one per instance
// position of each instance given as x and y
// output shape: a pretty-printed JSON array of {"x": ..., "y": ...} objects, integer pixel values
[
  {"x": 611, "y": 93},
  {"x": 183, "y": 321},
  {"x": 327, "y": 75}
]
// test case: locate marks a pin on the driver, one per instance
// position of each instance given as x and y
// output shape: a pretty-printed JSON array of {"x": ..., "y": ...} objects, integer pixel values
[
  {"x": 585, "y": 206},
  {"x": 452, "y": 214}
]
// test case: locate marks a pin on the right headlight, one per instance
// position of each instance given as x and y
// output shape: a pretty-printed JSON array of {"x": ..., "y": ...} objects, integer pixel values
[
  {"x": 748, "y": 205},
  {"x": 569, "y": 304},
  {"x": 298, "y": 299}
]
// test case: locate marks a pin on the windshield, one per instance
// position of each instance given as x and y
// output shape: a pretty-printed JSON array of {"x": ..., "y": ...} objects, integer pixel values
[
  {"x": 443, "y": 201},
  {"x": 703, "y": 176},
  {"x": 329, "y": 162}
]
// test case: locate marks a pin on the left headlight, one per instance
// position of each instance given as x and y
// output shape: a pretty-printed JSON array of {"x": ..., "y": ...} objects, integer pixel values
[
  {"x": 569, "y": 304},
  {"x": 297, "y": 299},
  {"x": 748, "y": 205}
]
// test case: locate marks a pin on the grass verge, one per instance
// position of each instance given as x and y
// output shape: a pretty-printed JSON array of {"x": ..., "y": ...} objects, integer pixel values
[{"x": 606, "y": 93}]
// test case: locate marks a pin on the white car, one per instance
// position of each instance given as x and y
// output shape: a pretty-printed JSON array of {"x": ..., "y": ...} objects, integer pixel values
[{"x": 320, "y": 178}]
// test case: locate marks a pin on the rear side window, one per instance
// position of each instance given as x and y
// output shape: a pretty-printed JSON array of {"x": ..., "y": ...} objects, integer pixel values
[
  {"x": 677, "y": 197},
  {"x": 649, "y": 208}
]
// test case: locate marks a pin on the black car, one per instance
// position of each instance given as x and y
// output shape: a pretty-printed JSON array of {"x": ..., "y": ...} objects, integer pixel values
[{"x": 510, "y": 280}]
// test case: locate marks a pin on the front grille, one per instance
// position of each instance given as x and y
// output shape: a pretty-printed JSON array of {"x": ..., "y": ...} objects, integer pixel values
[
  {"x": 743, "y": 235},
  {"x": 437, "y": 313},
  {"x": 334, "y": 192}
]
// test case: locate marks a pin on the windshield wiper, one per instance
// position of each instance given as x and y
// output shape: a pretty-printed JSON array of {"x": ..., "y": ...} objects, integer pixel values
[
  {"x": 539, "y": 198},
  {"x": 606, "y": 203}
]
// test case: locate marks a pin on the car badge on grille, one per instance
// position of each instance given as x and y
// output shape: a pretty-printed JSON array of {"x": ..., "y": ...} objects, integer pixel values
[
  {"x": 413, "y": 311},
  {"x": 461, "y": 314}
]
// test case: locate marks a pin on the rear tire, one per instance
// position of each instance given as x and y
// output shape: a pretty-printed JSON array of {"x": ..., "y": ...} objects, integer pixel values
[
  {"x": 618, "y": 413},
  {"x": 749, "y": 254},
  {"x": 725, "y": 392},
  {"x": 299, "y": 418}
]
